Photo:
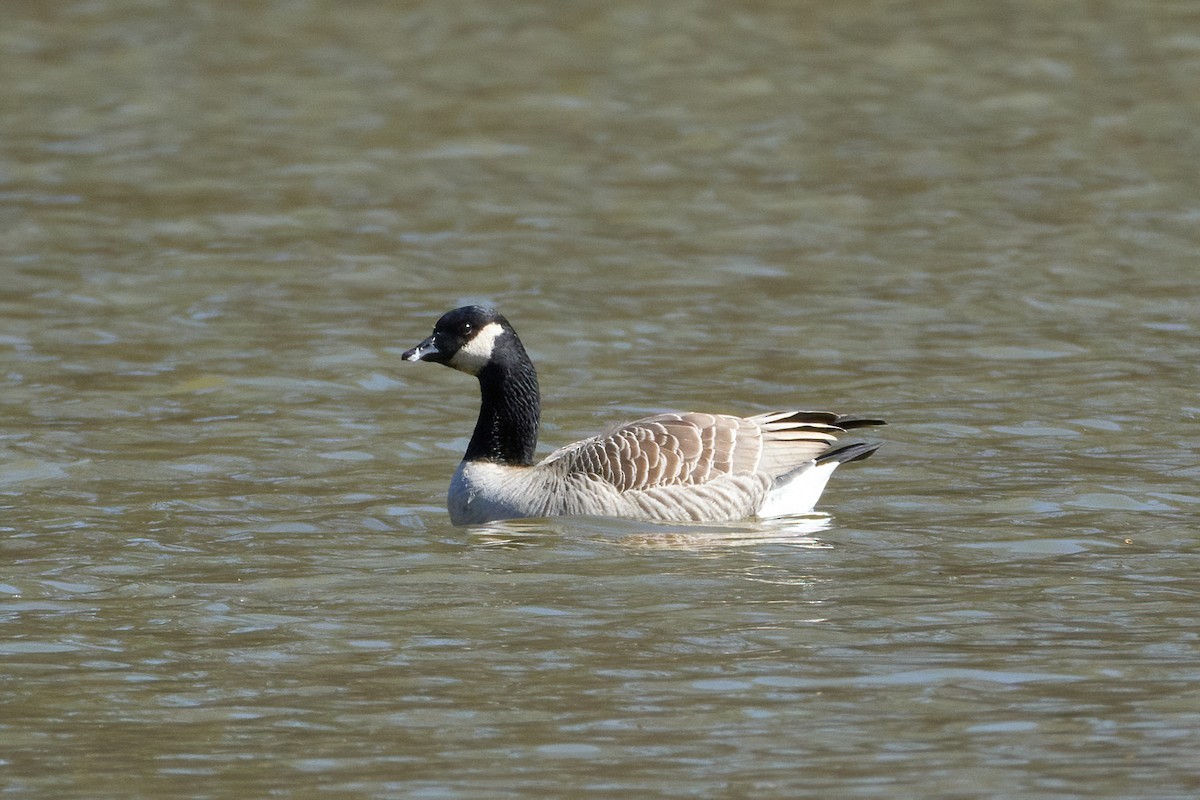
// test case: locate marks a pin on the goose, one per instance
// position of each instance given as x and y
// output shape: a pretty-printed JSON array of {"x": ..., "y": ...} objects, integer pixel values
[{"x": 674, "y": 467}]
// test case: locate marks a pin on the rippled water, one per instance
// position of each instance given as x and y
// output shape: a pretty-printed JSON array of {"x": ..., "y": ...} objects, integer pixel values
[{"x": 228, "y": 570}]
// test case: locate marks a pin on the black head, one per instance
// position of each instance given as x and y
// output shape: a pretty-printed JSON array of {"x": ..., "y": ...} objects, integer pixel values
[
  {"x": 466, "y": 338},
  {"x": 480, "y": 342}
]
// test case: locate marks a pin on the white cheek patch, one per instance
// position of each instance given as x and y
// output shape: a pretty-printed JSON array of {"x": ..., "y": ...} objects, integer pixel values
[{"x": 475, "y": 354}]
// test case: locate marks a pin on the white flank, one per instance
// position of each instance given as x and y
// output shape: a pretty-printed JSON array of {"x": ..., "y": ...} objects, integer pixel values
[
  {"x": 475, "y": 354},
  {"x": 798, "y": 492},
  {"x": 483, "y": 492}
]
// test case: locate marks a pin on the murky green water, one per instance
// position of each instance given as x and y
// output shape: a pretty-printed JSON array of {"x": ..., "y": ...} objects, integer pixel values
[{"x": 227, "y": 569}]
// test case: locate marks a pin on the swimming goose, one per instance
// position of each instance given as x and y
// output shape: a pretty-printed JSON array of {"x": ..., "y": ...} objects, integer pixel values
[{"x": 686, "y": 467}]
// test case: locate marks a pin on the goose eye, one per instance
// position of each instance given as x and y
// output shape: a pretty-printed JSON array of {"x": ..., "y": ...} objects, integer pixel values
[{"x": 467, "y": 328}]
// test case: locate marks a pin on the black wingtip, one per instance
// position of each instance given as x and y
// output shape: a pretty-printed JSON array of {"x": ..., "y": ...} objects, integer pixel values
[
  {"x": 850, "y": 423},
  {"x": 855, "y": 451}
]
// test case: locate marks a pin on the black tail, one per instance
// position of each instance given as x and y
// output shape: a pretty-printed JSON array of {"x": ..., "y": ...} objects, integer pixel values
[
  {"x": 847, "y": 423},
  {"x": 855, "y": 451},
  {"x": 843, "y": 421}
]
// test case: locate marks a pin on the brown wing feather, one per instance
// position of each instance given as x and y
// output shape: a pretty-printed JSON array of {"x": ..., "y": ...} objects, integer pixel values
[
  {"x": 694, "y": 448},
  {"x": 665, "y": 450},
  {"x": 792, "y": 438}
]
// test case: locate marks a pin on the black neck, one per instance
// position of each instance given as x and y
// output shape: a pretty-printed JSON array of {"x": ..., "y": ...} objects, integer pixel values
[{"x": 507, "y": 430}]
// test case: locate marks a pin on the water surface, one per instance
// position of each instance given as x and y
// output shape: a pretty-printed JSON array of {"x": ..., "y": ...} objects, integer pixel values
[{"x": 228, "y": 567}]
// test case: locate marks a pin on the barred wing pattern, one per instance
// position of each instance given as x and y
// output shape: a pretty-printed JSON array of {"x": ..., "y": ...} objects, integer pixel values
[{"x": 691, "y": 449}]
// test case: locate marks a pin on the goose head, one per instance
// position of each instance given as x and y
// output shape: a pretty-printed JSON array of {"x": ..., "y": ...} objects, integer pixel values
[
  {"x": 480, "y": 342},
  {"x": 467, "y": 339}
]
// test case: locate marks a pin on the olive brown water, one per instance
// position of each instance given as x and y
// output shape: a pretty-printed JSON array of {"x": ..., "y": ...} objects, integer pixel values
[{"x": 227, "y": 568}]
